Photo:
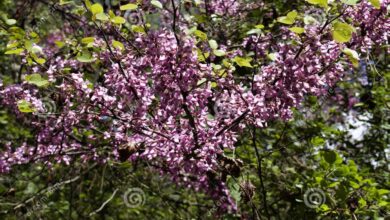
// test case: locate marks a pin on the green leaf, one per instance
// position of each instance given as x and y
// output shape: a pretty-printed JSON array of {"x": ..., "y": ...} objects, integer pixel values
[
  {"x": 138, "y": 29},
  {"x": 201, "y": 35},
  {"x": 25, "y": 107},
  {"x": 118, "y": 45},
  {"x": 322, "y": 3},
  {"x": 10, "y": 21},
  {"x": 219, "y": 53},
  {"x": 376, "y": 3},
  {"x": 156, "y": 4},
  {"x": 88, "y": 4},
  {"x": 59, "y": 44},
  {"x": 118, "y": 20},
  {"x": 213, "y": 44},
  {"x": 318, "y": 141},
  {"x": 349, "y": 2},
  {"x": 259, "y": 26},
  {"x": 128, "y": 7},
  {"x": 40, "y": 60},
  {"x": 330, "y": 156},
  {"x": 342, "y": 32},
  {"x": 101, "y": 16},
  {"x": 383, "y": 191},
  {"x": 243, "y": 61},
  {"x": 87, "y": 40},
  {"x": 362, "y": 203},
  {"x": 16, "y": 51},
  {"x": 37, "y": 80},
  {"x": 289, "y": 18},
  {"x": 353, "y": 56},
  {"x": 85, "y": 57},
  {"x": 96, "y": 8},
  {"x": 297, "y": 30}
]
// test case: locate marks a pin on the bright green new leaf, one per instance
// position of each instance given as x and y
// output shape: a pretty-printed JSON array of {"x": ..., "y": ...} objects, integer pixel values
[
  {"x": 200, "y": 34},
  {"x": 88, "y": 4},
  {"x": 40, "y": 60},
  {"x": 349, "y": 2},
  {"x": 37, "y": 80},
  {"x": 243, "y": 61},
  {"x": 156, "y": 4},
  {"x": 118, "y": 20},
  {"x": 289, "y": 18},
  {"x": 102, "y": 17},
  {"x": 353, "y": 56},
  {"x": 16, "y": 51},
  {"x": 322, "y": 3},
  {"x": 96, "y": 8},
  {"x": 259, "y": 26},
  {"x": 297, "y": 30},
  {"x": 213, "y": 44},
  {"x": 87, "y": 40},
  {"x": 128, "y": 7},
  {"x": 118, "y": 45},
  {"x": 25, "y": 107},
  {"x": 219, "y": 53},
  {"x": 10, "y": 21},
  {"x": 138, "y": 29},
  {"x": 376, "y": 3},
  {"x": 85, "y": 57},
  {"x": 342, "y": 32}
]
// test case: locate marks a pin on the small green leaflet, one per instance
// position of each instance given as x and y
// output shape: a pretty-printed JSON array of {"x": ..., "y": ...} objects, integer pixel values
[
  {"x": 118, "y": 20},
  {"x": 96, "y": 8},
  {"x": 349, "y": 2},
  {"x": 16, "y": 51},
  {"x": 37, "y": 80},
  {"x": 102, "y": 17},
  {"x": 353, "y": 56},
  {"x": 25, "y": 106},
  {"x": 289, "y": 18},
  {"x": 213, "y": 44},
  {"x": 297, "y": 30},
  {"x": 87, "y": 40},
  {"x": 118, "y": 45},
  {"x": 342, "y": 32},
  {"x": 376, "y": 3},
  {"x": 200, "y": 34},
  {"x": 243, "y": 61},
  {"x": 10, "y": 21},
  {"x": 129, "y": 7},
  {"x": 322, "y": 3},
  {"x": 219, "y": 53},
  {"x": 85, "y": 57},
  {"x": 156, "y": 4}
]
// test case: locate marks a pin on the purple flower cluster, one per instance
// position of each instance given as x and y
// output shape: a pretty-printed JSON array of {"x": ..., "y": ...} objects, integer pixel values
[{"x": 157, "y": 104}]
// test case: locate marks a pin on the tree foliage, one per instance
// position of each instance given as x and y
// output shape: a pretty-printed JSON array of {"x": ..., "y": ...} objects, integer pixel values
[{"x": 206, "y": 109}]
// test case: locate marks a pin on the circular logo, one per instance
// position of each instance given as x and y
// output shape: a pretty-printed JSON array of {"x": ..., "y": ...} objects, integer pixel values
[
  {"x": 49, "y": 108},
  {"x": 314, "y": 197},
  {"x": 134, "y": 197}
]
